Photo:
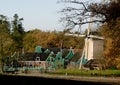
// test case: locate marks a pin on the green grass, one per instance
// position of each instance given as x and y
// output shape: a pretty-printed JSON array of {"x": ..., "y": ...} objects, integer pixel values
[{"x": 87, "y": 72}]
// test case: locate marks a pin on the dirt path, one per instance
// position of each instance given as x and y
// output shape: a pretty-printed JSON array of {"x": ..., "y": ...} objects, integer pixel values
[{"x": 110, "y": 80}]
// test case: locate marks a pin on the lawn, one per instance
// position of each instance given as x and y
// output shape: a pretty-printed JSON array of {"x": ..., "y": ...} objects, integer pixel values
[{"x": 77, "y": 72}]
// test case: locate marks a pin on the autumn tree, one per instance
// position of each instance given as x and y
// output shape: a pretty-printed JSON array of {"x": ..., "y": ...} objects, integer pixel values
[
  {"x": 52, "y": 40},
  {"x": 35, "y": 38},
  {"x": 5, "y": 39},
  {"x": 112, "y": 46}
]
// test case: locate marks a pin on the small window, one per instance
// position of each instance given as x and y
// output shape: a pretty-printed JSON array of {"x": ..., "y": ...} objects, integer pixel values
[{"x": 37, "y": 58}]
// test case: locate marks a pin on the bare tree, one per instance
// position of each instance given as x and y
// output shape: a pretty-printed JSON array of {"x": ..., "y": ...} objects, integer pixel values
[{"x": 79, "y": 12}]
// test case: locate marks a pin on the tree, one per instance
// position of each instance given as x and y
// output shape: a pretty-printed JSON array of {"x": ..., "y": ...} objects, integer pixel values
[
  {"x": 5, "y": 39},
  {"x": 81, "y": 13},
  {"x": 32, "y": 39},
  {"x": 110, "y": 30},
  {"x": 17, "y": 33},
  {"x": 35, "y": 38},
  {"x": 107, "y": 14},
  {"x": 112, "y": 47},
  {"x": 52, "y": 40}
]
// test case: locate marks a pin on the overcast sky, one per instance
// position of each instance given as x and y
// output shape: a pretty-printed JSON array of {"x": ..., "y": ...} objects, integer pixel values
[{"x": 41, "y": 14}]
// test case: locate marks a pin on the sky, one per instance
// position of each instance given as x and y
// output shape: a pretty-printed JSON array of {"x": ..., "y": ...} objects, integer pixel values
[{"x": 40, "y": 14}]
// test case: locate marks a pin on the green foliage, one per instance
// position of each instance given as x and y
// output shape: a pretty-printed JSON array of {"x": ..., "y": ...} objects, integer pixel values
[
  {"x": 17, "y": 32},
  {"x": 5, "y": 39}
]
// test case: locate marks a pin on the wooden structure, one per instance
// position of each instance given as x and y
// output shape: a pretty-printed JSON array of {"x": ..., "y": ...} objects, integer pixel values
[{"x": 93, "y": 47}]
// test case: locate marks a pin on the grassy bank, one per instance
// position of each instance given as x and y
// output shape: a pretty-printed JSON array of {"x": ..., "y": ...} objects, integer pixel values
[
  {"x": 87, "y": 72},
  {"x": 76, "y": 72}
]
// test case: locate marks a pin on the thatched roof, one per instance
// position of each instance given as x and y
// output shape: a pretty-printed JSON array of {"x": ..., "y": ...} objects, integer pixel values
[{"x": 31, "y": 56}]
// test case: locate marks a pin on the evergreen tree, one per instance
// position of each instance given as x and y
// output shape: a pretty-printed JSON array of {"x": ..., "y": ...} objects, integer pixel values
[{"x": 17, "y": 32}]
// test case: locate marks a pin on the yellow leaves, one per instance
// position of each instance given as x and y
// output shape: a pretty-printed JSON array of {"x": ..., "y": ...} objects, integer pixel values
[
  {"x": 52, "y": 40},
  {"x": 36, "y": 37},
  {"x": 108, "y": 45},
  {"x": 112, "y": 45},
  {"x": 117, "y": 62},
  {"x": 52, "y": 37}
]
